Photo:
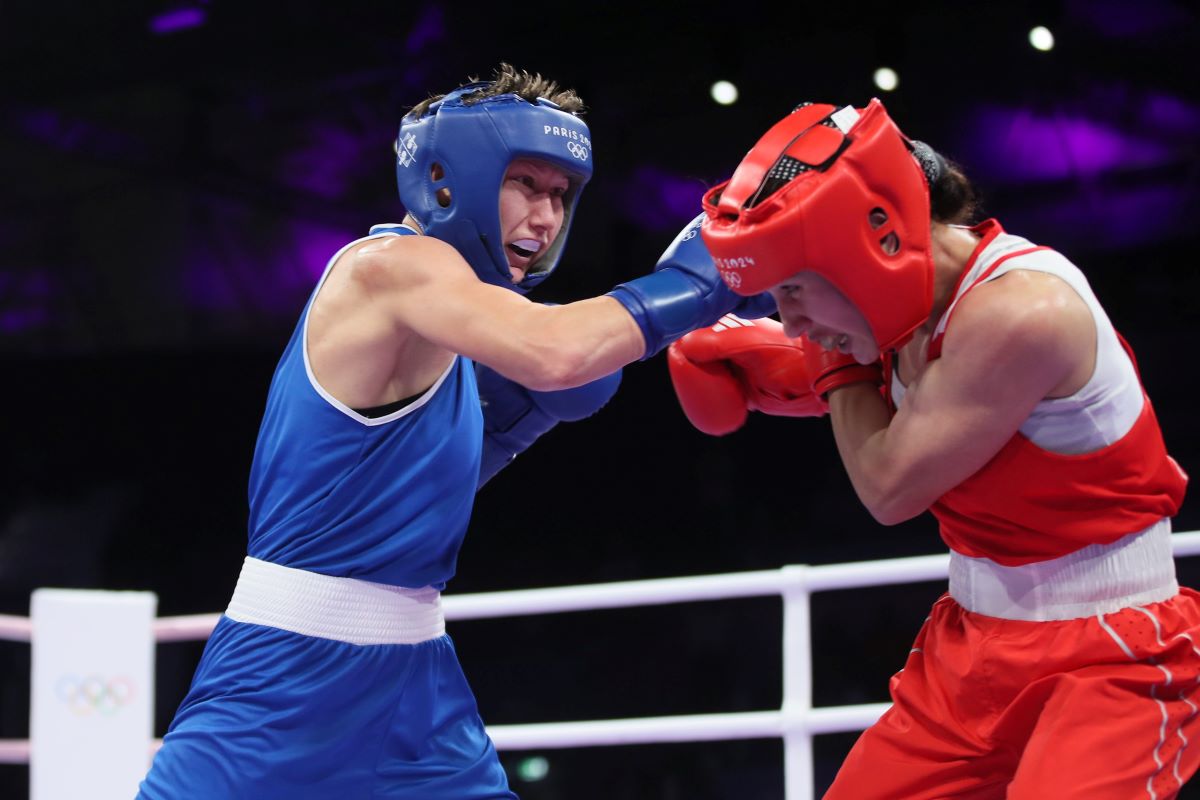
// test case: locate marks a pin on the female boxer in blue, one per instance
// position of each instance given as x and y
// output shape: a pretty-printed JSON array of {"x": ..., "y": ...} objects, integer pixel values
[{"x": 416, "y": 371}]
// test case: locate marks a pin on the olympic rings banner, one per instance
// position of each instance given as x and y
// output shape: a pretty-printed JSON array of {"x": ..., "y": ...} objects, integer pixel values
[
  {"x": 94, "y": 694},
  {"x": 91, "y": 709}
]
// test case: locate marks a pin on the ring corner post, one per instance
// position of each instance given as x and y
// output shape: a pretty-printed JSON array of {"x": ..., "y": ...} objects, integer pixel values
[{"x": 91, "y": 714}]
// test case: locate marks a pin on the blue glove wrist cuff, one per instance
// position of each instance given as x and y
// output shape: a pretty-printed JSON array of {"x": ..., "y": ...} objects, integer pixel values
[{"x": 665, "y": 305}]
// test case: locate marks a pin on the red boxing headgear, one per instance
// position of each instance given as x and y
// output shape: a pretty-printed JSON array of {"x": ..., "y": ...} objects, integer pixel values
[{"x": 837, "y": 192}]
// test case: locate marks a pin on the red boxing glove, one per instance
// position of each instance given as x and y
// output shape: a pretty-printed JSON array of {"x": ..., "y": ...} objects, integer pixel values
[
  {"x": 723, "y": 372},
  {"x": 831, "y": 369}
]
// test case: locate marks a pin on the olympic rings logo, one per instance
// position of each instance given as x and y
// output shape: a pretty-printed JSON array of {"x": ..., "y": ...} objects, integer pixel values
[
  {"x": 733, "y": 279},
  {"x": 693, "y": 230},
  {"x": 577, "y": 150},
  {"x": 93, "y": 694}
]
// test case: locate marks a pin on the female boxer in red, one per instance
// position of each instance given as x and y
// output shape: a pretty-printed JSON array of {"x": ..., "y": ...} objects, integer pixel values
[{"x": 1063, "y": 659}]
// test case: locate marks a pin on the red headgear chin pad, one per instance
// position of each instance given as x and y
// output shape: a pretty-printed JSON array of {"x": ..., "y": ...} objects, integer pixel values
[{"x": 852, "y": 207}]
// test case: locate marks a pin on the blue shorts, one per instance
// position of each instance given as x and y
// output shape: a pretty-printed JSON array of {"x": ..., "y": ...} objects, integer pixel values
[{"x": 275, "y": 714}]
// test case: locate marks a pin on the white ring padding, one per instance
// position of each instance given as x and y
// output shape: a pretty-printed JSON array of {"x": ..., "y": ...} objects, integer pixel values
[
  {"x": 343, "y": 609},
  {"x": 1099, "y": 579}
]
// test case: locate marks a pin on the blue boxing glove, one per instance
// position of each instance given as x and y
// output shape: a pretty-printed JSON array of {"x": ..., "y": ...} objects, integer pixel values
[
  {"x": 513, "y": 416},
  {"x": 683, "y": 293}
]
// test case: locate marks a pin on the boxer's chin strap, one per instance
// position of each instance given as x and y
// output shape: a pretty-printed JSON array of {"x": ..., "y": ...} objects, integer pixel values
[{"x": 413, "y": 223}]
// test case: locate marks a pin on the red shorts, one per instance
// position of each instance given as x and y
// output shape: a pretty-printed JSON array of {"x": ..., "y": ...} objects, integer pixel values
[{"x": 1098, "y": 707}]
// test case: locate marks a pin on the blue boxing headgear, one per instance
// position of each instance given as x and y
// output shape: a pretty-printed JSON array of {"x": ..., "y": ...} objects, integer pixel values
[{"x": 474, "y": 145}]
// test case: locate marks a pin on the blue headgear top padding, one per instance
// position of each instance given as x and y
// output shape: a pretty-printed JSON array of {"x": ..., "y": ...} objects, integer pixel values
[{"x": 474, "y": 144}]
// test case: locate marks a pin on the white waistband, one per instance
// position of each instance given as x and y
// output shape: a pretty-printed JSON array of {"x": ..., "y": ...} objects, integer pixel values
[
  {"x": 343, "y": 609},
  {"x": 1099, "y": 579}
]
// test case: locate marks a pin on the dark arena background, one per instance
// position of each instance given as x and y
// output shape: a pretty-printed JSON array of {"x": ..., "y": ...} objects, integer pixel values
[{"x": 176, "y": 175}]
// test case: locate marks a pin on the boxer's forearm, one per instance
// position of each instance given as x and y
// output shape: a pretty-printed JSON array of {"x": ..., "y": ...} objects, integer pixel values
[{"x": 860, "y": 418}]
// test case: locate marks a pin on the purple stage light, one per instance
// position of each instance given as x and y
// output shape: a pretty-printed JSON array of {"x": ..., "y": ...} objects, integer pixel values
[
  {"x": 1109, "y": 219},
  {"x": 314, "y": 245},
  {"x": 207, "y": 286},
  {"x": 53, "y": 128},
  {"x": 37, "y": 284},
  {"x": 1097, "y": 174},
  {"x": 1120, "y": 19},
  {"x": 658, "y": 200},
  {"x": 1171, "y": 115},
  {"x": 31, "y": 295},
  {"x": 70, "y": 134},
  {"x": 430, "y": 27},
  {"x": 234, "y": 267},
  {"x": 326, "y": 163},
  {"x": 1016, "y": 146},
  {"x": 23, "y": 319},
  {"x": 178, "y": 19}
]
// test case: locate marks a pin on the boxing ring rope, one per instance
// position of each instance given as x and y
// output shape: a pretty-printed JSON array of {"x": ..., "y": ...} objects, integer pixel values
[{"x": 796, "y": 721}]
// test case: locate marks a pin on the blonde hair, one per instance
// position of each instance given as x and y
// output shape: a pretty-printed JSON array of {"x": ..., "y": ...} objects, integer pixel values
[{"x": 507, "y": 79}]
